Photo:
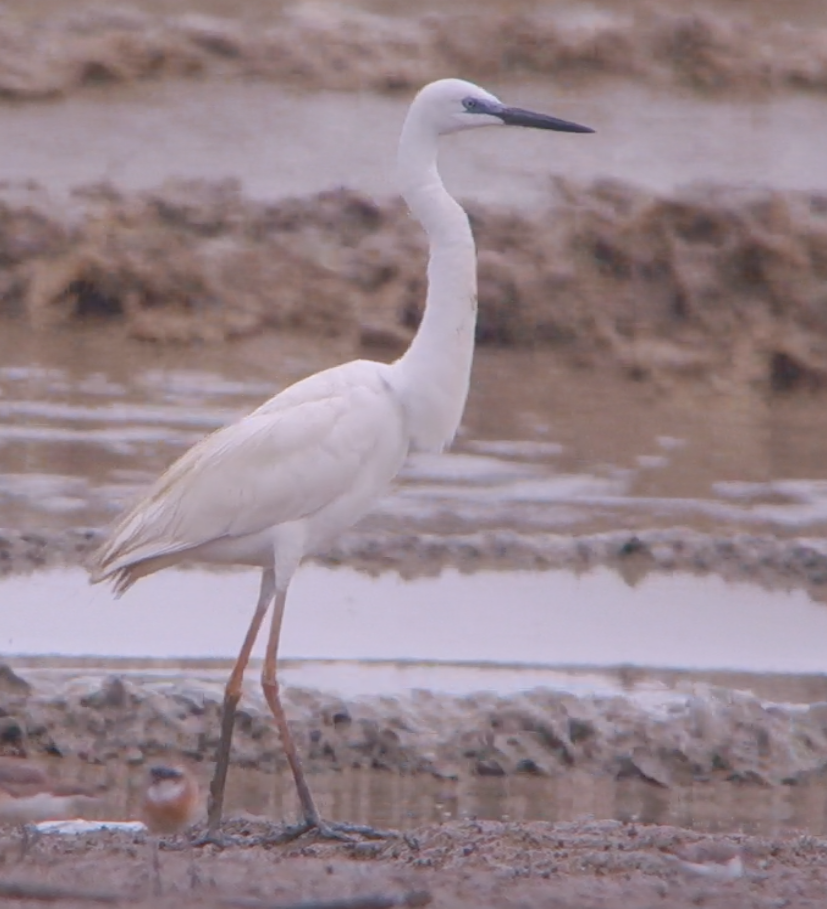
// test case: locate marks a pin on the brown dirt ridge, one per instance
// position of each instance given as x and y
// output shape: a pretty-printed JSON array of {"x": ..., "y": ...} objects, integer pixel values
[
  {"x": 766, "y": 560},
  {"x": 710, "y": 283},
  {"x": 692, "y": 735},
  {"x": 333, "y": 47}
]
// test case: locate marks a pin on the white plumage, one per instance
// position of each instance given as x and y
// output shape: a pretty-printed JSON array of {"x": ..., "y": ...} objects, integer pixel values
[
  {"x": 279, "y": 483},
  {"x": 286, "y": 479}
]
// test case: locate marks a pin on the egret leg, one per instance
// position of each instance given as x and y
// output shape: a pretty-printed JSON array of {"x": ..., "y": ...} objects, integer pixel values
[
  {"x": 270, "y": 685},
  {"x": 312, "y": 819},
  {"x": 232, "y": 695}
]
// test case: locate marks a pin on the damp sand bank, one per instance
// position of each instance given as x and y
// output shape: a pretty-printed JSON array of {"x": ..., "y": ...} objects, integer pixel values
[
  {"x": 681, "y": 736},
  {"x": 601, "y": 864},
  {"x": 710, "y": 283},
  {"x": 319, "y": 46}
]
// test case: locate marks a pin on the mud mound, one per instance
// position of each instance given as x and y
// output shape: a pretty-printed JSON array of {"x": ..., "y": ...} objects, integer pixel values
[
  {"x": 321, "y": 46},
  {"x": 718, "y": 734},
  {"x": 776, "y": 564},
  {"x": 194, "y": 262},
  {"x": 711, "y": 283}
]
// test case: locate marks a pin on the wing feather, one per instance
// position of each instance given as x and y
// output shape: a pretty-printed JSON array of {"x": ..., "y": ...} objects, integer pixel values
[{"x": 289, "y": 458}]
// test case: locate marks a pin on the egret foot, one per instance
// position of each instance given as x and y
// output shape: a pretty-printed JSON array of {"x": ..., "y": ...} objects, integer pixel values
[
  {"x": 221, "y": 840},
  {"x": 324, "y": 830}
]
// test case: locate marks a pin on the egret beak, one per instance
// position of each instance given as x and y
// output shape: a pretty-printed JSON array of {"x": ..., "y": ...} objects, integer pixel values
[{"x": 516, "y": 116}]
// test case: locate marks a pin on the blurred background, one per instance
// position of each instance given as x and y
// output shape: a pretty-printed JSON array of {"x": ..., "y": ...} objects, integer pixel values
[{"x": 197, "y": 207}]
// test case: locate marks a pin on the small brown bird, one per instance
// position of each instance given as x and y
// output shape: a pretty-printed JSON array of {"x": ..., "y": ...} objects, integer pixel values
[
  {"x": 28, "y": 795},
  {"x": 171, "y": 802}
]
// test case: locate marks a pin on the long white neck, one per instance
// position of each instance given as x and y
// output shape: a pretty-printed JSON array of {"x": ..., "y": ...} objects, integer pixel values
[{"x": 432, "y": 377}]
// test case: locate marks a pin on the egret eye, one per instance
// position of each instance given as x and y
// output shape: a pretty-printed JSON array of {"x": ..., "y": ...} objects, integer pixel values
[{"x": 471, "y": 104}]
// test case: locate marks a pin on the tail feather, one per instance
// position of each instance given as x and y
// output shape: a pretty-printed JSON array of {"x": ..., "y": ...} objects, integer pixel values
[{"x": 123, "y": 574}]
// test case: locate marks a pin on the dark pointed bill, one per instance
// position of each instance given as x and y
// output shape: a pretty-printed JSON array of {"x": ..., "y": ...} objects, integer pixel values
[{"x": 516, "y": 116}]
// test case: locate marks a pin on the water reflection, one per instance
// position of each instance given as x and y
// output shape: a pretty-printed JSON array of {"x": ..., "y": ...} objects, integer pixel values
[
  {"x": 392, "y": 800},
  {"x": 527, "y": 621},
  {"x": 140, "y": 136}
]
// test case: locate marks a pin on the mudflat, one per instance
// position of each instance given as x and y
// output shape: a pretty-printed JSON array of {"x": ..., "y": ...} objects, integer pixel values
[{"x": 457, "y": 864}]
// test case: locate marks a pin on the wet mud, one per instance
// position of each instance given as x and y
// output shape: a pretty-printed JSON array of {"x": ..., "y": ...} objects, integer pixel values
[
  {"x": 703, "y": 734},
  {"x": 337, "y": 47},
  {"x": 771, "y": 561},
  {"x": 712, "y": 283},
  {"x": 601, "y": 864}
]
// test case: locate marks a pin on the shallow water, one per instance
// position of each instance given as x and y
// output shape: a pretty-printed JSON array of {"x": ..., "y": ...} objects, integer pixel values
[
  {"x": 403, "y": 802},
  {"x": 454, "y": 633},
  {"x": 139, "y": 136},
  {"x": 88, "y": 420},
  {"x": 395, "y": 801},
  {"x": 356, "y": 636}
]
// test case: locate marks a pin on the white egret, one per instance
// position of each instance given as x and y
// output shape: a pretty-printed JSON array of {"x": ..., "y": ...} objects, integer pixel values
[{"x": 283, "y": 481}]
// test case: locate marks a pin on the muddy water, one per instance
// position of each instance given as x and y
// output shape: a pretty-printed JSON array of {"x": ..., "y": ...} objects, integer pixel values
[
  {"x": 87, "y": 420},
  {"x": 140, "y": 136},
  {"x": 353, "y": 635},
  {"x": 403, "y": 802},
  {"x": 516, "y": 618}
]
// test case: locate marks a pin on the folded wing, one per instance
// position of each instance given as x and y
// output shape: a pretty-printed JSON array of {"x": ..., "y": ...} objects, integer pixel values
[{"x": 293, "y": 456}]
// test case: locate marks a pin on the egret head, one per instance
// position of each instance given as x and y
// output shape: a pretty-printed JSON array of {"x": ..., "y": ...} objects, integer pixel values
[{"x": 452, "y": 105}]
